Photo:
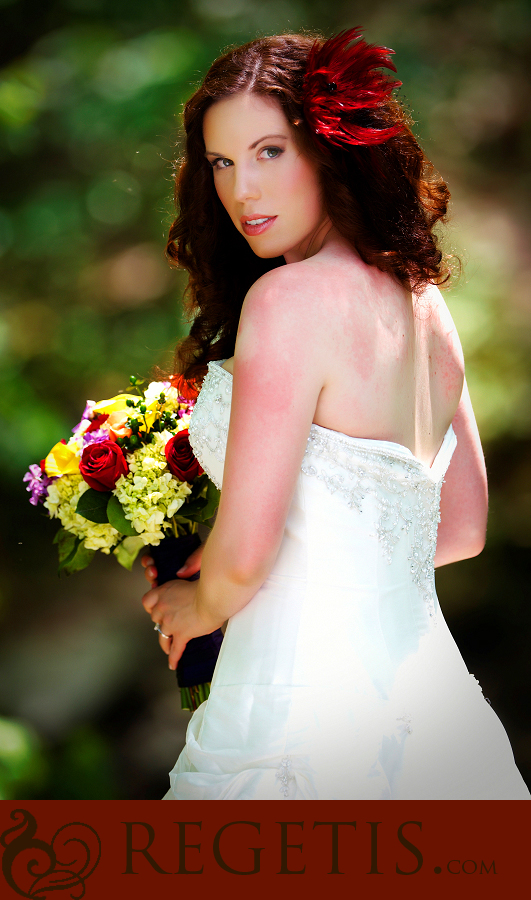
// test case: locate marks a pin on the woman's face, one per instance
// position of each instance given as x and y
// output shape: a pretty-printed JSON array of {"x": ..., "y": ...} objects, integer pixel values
[{"x": 269, "y": 189}]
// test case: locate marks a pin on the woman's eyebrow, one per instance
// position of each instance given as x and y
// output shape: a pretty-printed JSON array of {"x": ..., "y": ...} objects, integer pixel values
[
  {"x": 252, "y": 146},
  {"x": 267, "y": 137}
]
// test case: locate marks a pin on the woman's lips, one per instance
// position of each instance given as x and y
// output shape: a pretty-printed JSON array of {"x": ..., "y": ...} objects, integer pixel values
[{"x": 256, "y": 224}]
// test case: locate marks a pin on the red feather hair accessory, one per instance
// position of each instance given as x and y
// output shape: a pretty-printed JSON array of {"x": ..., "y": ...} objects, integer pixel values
[{"x": 342, "y": 79}]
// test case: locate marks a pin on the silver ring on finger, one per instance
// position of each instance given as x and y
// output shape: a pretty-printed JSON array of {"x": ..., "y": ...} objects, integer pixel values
[{"x": 156, "y": 627}]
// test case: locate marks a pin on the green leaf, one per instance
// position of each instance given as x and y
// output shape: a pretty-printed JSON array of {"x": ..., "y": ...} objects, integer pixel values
[
  {"x": 66, "y": 545},
  {"x": 116, "y": 516},
  {"x": 193, "y": 509},
  {"x": 213, "y": 495},
  {"x": 199, "y": 487},
  {"x": 73, "y": 555},
  {"x": 202, "y": 507},
  {"x": 80, "y": 560},
  {"x": 127, "y": 551},
  {"x": 92, "y": 505}
]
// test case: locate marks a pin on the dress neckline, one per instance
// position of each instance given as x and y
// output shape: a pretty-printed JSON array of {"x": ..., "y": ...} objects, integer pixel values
[{"x": 388, "y": 447}]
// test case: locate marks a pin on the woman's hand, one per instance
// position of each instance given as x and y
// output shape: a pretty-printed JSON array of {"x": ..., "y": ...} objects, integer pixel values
[
  {"x": 190, "y": 567},
  {"x": 173, "y": 608}
]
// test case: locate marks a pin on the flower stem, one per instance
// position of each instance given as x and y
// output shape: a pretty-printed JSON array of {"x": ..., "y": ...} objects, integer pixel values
[{"x": 192, "y": 697}]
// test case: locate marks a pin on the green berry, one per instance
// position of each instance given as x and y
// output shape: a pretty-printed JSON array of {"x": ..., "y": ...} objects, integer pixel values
[
  {"x": 134, "y": 441},
  {"x": 129, "y": 402},
  {"x": 143, "y": 407},
  {"x": 132, "y": 379}
]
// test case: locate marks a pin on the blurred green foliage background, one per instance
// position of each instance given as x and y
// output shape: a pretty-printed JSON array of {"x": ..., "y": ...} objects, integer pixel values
[{"x": 90, "y": 98}]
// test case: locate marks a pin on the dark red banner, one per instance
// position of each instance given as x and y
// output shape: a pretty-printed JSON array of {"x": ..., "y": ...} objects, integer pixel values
[{"x": 139, "y": 849}]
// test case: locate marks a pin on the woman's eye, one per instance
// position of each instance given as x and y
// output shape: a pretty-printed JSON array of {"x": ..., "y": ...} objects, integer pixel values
[
  {"x": 271, "y": 152},
  {"x": 221, "y": 163}
]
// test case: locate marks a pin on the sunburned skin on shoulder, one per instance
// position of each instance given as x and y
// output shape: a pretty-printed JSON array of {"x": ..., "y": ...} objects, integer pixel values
[
  {"x": 438, "y": 369},
  {"x": 446, "y": 354},
  {"x": 382, "y": 364}
]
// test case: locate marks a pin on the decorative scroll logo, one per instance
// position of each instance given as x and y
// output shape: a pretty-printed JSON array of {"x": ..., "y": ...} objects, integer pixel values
[{"x": 34, "y": 868}]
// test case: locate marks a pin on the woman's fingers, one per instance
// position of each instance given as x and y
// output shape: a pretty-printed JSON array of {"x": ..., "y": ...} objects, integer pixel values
[
  {"x": 165, "y": 642},
  {"x": 150, "y": 600},
  {"x": 172, "y": 645},
  {"x": 170, "y": 608},
  {"x": 192, "y": 564},
  {"x": 190, "y": 567},
  {"x": 151, "y": 575},
  {"x": 176, "y": 650},
  {"x": 150, "y": 570}
]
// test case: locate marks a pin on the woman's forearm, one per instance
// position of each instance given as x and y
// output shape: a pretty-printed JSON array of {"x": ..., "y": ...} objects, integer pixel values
[{"x": 223, "y": 588}]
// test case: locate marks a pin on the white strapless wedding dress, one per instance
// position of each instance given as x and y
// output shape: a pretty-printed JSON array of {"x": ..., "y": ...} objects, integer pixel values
[{"x": 340, "y": 679}]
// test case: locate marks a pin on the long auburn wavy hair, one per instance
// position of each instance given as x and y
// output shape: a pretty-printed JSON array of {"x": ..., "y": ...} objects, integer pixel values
[{"x": 384, "y": 199}]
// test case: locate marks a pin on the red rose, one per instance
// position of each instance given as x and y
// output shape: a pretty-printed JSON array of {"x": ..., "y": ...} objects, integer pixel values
[
  {"x": 102, "y": 464},
  {"x": 180, "y": 458}
]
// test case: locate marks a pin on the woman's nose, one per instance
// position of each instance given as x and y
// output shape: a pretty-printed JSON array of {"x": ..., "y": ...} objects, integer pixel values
[{"x": 246, "y": 185}]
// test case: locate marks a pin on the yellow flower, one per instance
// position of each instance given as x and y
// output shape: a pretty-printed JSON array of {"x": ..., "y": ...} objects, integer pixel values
[
  {"x": 114, "y": 404},
  {"x": 118, "y": 403},
  {"x": 61, "y": 460}
]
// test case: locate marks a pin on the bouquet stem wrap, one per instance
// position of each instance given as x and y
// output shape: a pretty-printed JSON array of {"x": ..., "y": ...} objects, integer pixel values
[{"x": 196, "y": 666}]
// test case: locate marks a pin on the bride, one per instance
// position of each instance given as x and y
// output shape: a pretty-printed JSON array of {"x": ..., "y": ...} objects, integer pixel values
[{"x": 334, "y": 410}]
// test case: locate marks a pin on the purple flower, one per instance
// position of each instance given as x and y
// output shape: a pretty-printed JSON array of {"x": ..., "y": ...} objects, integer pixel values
[
  {"x": 93, "y": 437},
  {"x": 87, "y": 414},
  {"x": 185, "y": 411},
  {"x": 38, "y": 483}
]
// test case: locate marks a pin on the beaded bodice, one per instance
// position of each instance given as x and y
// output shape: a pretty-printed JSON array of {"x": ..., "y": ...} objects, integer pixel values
[
  {"x": 403, "y": 492},
  {"x": 209, "y": 424}
]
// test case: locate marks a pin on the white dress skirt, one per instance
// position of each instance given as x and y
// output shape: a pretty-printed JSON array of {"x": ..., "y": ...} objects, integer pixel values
[{"x": 340, "y": 679}]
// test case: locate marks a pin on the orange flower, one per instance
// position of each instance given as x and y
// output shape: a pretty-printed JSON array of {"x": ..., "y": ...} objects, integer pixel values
[{"x": 116, "y": 423}]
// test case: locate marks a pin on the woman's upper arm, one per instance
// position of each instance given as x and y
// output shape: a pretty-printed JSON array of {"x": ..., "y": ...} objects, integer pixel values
[
  {"x": 464, "y": 496},
  {"x": 276, "y": 385}
]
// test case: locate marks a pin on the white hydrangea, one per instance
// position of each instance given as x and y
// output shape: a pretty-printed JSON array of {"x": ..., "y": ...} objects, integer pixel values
[
  {"x": 183, "y": 422},
  {"x": 155, "y": 389},
  {"x": 63, "y": 497},
  {"x": 171, "y": 401},
  {"x": 149, "y": 494}
]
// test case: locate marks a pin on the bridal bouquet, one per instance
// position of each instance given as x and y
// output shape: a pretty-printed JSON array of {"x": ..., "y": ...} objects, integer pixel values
[{"x": 126, "y": 479}]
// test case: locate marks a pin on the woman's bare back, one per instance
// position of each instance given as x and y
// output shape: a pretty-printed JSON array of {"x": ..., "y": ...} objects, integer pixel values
[{"x": 393, "y": 363}]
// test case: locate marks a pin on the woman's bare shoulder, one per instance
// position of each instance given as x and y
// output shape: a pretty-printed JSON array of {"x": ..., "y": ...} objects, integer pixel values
[
  {"x": 297, "y": 277},
  {"x": 314, "y": 284},
  {"x": 431, "y": 299},
  {"x": 290, "y": 311},
  {"x": 443, "y": 331}
]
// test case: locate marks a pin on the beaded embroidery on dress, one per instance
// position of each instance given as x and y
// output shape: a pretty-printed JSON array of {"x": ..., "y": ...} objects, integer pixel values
[
  {"x": 340, "y": 679},
  {"x": 357, "y": 471}
]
